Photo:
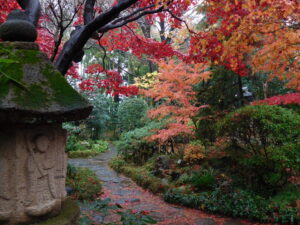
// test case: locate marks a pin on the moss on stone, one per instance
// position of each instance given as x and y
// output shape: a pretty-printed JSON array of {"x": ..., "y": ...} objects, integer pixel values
[
  {"x": 63, "y": 93},
  {"x": 31, "y": 56},
  {"x": 35, "y": 97},
  {"x": 30, "y": 83},
  {"x": 28, "y": 56},
  {"x": 69, "y": 215}
]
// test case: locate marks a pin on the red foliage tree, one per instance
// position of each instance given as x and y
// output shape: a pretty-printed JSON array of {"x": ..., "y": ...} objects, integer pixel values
[
  {"x": 291, "y": 98},
  {"x": 6, "y": 7},
  {"x": 174, "y": 89},
  {"x": 108, "y": 80}
]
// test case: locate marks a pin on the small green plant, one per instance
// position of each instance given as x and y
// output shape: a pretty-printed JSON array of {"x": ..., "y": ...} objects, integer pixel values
[
  {"x": 130, "y": 217},
  {"x": 132, "y": 114},
  {"x": 203, "y": 182},
  {"x": 100, "y": 146},
  {"x": 84, "y": 182},
  {"x": 86, "y": 148}
]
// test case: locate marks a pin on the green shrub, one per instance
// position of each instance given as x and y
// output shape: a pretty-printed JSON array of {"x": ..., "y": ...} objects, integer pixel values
[
  {"x": 206, "y": 125},
  {"x": 87, "y": 148},
  {"x": 133, "y": 145},
  {"x": 236, "y": 203},
  {"x": 99, "y": 146},
  {"x": 265, "y": 141},
  {"x": 203, "y": 182},
  {"x": 72, "y": 141},
  {"x": 84, "y": 182},
  {"x": 117, "y": 163},
  {"x": 289, "y": 195},
  {"x": 82, "y": 154},
  {"x": 140, "y": 175},
  {"x": 132, "y": 114}
]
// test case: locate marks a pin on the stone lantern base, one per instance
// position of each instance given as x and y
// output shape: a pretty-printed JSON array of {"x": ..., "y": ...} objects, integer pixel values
[
  {"x": 32, "y": 172},
  {"x": 69, "y": 215}
]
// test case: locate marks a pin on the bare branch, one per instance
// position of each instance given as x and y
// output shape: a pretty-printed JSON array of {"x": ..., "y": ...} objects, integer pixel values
[
  {"x": 181, "y": 20},
  {"x": 113, "y": 26},
  {"x": 132, "y": 14}
]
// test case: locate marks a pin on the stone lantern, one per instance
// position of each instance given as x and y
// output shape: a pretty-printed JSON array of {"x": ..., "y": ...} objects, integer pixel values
[{"x": 34, "y": 101}]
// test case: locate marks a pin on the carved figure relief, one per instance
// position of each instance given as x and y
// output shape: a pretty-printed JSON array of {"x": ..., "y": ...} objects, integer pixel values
[
  {"x": 6, "y": 195},
  {"x": 44, "y": 165},
  {"x": 32, "y": 172}
]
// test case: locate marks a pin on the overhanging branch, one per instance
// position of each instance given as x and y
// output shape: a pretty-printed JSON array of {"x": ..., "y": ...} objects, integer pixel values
[
  {"x": 82, "y": 35},
  {"x": 113, "y": 26}
]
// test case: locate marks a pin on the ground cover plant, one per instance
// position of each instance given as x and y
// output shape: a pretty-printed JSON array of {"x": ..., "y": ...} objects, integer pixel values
[
  {"x": 83, "y": 183},
  {"x": 77, "y": 148}
]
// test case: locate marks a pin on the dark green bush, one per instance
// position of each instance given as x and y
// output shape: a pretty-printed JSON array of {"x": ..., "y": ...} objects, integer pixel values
[
  {"x": 203, "y": 182},
  {"x": 206, "y": 125},
  {"x": 72, "y": 141},
  {"x": 134, "y": 146},
  {"x": 132, "y": 114},
  {"x": 85, "y": 184},
  {"x": 265, "y": 141}
]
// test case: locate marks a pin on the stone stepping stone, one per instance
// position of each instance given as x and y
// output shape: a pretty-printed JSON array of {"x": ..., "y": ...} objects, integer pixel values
[{"x": 205, "y": 221}]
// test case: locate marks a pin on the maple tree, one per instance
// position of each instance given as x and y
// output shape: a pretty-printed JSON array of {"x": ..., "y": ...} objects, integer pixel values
[
  {"x": 147, "y": 81},
  {"x": 174, "y": 92},
  {"x": 112, "y": 83},
  {"x": 6, "y": 7},
  {"x": 291, "y": 98},
  {"x": 262, "y": 34}
]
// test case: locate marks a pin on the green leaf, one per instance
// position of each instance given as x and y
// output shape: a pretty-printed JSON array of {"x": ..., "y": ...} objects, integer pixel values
[{"x": 8, "y": 61}]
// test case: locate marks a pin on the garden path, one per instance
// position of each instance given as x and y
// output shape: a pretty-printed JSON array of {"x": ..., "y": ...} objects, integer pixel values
[{"x": 124, "y": 191}]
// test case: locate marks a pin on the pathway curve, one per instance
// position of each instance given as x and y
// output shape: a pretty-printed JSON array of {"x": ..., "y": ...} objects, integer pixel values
[{"x": 124, "y": 191}]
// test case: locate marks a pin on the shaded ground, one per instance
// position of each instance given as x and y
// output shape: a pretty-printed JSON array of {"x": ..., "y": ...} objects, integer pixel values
[{"x": 124, "y": 191}]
